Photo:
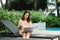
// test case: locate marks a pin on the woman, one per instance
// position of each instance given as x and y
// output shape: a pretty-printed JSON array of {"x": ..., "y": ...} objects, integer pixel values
[{"x": 25, "y": 22}]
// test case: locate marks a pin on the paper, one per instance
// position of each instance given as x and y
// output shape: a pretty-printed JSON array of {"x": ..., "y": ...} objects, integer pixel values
[{"x": 37, "y": 24}]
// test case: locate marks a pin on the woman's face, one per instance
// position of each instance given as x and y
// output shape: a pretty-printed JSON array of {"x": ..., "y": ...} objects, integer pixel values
[{"x": 26, "y": 15}]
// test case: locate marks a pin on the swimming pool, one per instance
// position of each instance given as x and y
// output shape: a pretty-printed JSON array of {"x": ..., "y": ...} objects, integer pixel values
[{"x": 53, "y": 29}]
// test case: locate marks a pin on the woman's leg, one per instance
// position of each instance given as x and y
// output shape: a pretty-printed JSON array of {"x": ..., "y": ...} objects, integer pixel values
[
  {"x": 28, "y": 35},
  {"x": 23, "y": 35}
]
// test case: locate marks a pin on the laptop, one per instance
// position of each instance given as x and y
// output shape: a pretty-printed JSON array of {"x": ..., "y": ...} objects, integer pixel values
[{"x": 28, "y": 29}]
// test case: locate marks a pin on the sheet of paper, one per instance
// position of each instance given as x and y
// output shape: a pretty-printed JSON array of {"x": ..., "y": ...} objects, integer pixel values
[{"x": 37, "y": 24}]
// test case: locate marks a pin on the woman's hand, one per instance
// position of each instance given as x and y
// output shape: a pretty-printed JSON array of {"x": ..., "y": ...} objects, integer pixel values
[
  {"x": 22, "y": 28},
  {"x": 18, "y": 27},
  {"x": 35, "y": 26}
]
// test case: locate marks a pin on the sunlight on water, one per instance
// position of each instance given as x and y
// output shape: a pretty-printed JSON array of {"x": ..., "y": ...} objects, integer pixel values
[{"x": 53, "y": 29}]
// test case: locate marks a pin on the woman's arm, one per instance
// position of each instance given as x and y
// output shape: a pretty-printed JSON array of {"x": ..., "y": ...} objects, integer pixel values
[
  {"x": 19, "y": 24},
  {"x": 32, "y": 25}
]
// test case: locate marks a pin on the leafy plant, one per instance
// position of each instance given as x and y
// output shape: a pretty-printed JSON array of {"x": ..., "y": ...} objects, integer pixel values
[
  {"x": 36, "y": 16},
  {"x": 52, "y": 21}
]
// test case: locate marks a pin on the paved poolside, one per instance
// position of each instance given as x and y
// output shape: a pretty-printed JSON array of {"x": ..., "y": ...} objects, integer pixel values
[
  {"x": 46, "y": 32},
  {"x": 34, "y": 32}
]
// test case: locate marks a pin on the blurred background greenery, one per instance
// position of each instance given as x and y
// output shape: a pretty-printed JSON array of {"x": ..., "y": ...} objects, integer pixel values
[
  {"x": 36, "y": 16},
  {"x": 13, "y": 10}
]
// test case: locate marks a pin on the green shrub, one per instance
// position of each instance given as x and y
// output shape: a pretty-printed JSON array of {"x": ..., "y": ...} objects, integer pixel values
[
  {"x": 52, "y": 21},
  {"x": 14, "y": 16},
  {"x": 36, "y": 16}
]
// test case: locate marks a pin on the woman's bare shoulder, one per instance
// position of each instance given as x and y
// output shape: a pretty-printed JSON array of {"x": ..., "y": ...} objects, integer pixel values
[
  {"x": 20, "y": 20},
  {"x": 30, "y": 21}
]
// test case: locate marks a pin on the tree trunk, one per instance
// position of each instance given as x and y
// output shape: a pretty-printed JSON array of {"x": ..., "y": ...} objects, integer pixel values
[
  {"x": 6, "y": 5},
  {"x": 57, "y": 8},
  {"x": 2, "y": 4},
  {"x": 35, "y": 4}
]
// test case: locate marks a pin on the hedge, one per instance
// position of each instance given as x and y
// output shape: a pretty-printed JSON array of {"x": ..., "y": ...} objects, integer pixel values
[
  {"x": 36, "y": 16},
  {"x": 14, "y": 16}
]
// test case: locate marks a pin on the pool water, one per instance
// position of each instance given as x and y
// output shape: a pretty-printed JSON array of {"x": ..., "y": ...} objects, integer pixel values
[{"x": 53, "y": 29}]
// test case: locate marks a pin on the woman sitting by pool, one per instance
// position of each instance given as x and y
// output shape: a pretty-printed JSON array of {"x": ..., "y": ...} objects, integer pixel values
[{"x": 25, "y": 22}]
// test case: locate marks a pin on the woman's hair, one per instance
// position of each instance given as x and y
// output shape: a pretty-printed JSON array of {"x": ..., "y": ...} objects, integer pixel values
[{"x": 23, "y": 18}]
